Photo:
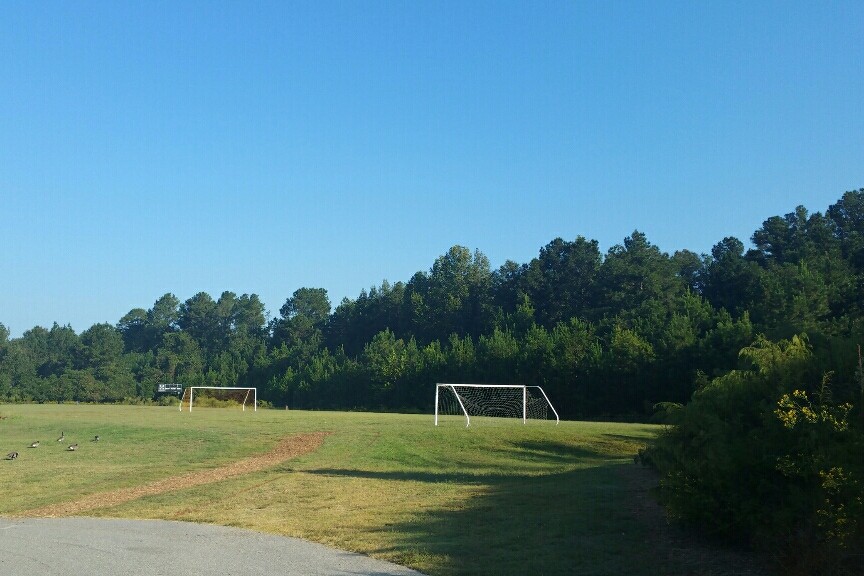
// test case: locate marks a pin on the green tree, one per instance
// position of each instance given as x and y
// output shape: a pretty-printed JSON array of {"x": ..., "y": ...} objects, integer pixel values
[
  {"x": 386, "y": 359},
  {"x": 199, "y": 318},
  {"x": 848, "y": 216},
  {"x": 461, "y": 364},
  {"x": 355, "y": 322},
  {"x": 137, "y": 334},
  {"x": 508, "y": 285},
  {"x": 560, "y": 280},
  {"x": 729, "y": 280},
  {"x": 498, "y": 357},
  {"x": 247, "y": 316},
  {"x": 689, "y": 267},
  {"x": 796, "y": 237},
  {"x": 163, "y": 318},
  {"x": 632, "y": 274},
  {"x": 143, "y": 330},
  {"x": 795, "y": 299},
  {"x": 457, "y": 296},
  {"x": 101, "y": 347},
  {"x": 303, "y": 318},
  {"x": 101, "y": 355},
  {"x": 179, "y": 359},
  {"x": 50, "y": 351},
  {"x": 627, "y": 366},
  {"x": 576, "y": 356}
]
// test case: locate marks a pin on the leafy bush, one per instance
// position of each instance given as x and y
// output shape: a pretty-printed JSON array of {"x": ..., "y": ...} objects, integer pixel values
[
  {"x": 766, "y": 457},
  {"x": 168, "y": 400}
]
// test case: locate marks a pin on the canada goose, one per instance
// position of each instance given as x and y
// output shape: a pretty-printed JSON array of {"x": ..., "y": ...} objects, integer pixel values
[
  {"x": 72, "y": 447},
  {"x": 62, "y": 437},
  {"x": 95, "y": 438},
  {"x": 11, "y": 455},
  {"x": 34, "y": 444}
]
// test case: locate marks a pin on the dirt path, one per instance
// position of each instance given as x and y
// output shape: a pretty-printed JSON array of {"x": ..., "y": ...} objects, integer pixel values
[{"x": 288, "y": 448}]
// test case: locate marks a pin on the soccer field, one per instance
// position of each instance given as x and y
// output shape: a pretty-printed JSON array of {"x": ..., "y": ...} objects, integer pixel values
[{"x": 497, "y": 498}]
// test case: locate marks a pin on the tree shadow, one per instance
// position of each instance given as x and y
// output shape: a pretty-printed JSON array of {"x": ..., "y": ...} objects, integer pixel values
[
  {"x": 407, "y": 476},
  {"x": 627, "y": 438},
  {"x": 545, "y": 453},
  {"x": 572, "y": 522},
  {"x": 556, "y": 452},
  {"x": 576, "y": 522},
  {"x": 596, "y": 518}
]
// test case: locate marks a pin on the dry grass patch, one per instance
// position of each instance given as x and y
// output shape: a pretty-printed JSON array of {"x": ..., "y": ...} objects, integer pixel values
[{"x": 288, "y": 448}]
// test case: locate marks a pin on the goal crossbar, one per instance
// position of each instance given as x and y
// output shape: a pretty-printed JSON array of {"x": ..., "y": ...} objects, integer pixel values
[
  {"x": 189, "y": 394},
  {"x": 502, "y": 400}
]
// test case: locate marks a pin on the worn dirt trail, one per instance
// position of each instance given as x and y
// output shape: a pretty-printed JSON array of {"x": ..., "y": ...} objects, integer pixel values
[{"x": 288, "y": 448}]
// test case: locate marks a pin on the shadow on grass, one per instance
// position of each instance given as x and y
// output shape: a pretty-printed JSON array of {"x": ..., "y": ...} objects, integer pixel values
[
  {"x": 547, "y": 453},
  {"x": 551, "y": 454},
  {"x": 631, "y": 439},
  {"x": 594, "y": 518},
  {"x": 432, "y": 477},
  {"x": 577, "y": 522},
  {"x": 597, "y": 521}
]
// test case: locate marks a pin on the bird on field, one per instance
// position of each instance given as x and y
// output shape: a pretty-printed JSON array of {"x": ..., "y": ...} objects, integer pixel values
[
  {"x": 72, "y": 447},
  {"x": 12, "y": 456},
  {"x": 62, "y": 437},
  {"x": 95, "y": 438},
  {"x": 34, "y": 444}
]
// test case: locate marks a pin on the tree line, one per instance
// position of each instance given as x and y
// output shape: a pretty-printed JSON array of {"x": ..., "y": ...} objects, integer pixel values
[{"x": 606, "y": 335}]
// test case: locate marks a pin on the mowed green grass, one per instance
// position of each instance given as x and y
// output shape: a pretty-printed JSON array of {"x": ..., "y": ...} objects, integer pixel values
[{"x": 496, "y": 498}]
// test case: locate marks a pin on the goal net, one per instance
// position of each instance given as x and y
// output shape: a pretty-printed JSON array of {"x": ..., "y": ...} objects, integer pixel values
[
  {"x": 464, "y": 401},
  {"x": 218, "y": 396}
]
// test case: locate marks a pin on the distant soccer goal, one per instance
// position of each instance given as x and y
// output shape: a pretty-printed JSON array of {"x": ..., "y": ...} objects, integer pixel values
[
  {"x": 465, "y": 401},
  {"x": 219, "y": 396}
]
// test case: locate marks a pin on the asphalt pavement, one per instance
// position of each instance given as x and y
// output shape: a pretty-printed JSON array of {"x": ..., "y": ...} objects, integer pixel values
[{"x": 91, "y": 546}]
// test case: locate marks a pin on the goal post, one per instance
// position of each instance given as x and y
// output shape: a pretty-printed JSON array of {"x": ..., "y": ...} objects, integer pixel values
[
  {"x": 493, "y": 400},
  {"x": 242, "y": 396}
]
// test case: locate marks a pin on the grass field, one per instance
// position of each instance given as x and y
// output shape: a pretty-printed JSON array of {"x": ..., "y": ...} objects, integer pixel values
[{"x": 497, "y": 498}]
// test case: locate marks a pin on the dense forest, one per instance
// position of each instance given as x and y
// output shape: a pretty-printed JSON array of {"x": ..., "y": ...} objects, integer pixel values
[{"x": 606, "y": 335}]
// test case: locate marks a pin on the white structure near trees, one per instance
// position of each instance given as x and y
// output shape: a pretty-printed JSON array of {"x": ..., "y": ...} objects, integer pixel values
[
  {"x": 494, "y": 400},
  {"x": 242, "y": 396}
]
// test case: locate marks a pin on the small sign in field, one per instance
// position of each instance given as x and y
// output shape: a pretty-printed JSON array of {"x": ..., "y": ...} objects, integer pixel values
[{"x": 170, "y": 388}]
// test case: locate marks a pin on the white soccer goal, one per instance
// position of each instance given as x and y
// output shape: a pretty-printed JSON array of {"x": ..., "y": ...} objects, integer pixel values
[
  {"x": 239, "y": 395},
  {"x": 495, "y": 400}
]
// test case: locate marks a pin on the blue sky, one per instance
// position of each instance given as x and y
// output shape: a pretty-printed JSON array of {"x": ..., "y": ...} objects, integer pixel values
[{"x": 258, "y": 147}]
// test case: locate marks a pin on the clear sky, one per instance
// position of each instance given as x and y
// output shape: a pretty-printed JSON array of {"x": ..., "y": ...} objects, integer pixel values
[{"x": 259, "y": 147}]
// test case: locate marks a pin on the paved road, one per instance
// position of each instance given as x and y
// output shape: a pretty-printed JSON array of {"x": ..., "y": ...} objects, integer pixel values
[{"x": 78, "y": 546}]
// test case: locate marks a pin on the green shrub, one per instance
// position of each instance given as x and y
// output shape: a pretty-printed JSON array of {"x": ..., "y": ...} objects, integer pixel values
[
  {"x": 204, "y": 401},
  {"x": 765, "y": 457},
  {"x": 168, "y": 400}
]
